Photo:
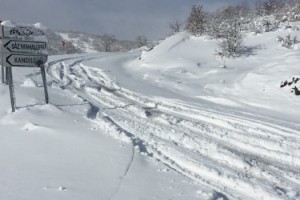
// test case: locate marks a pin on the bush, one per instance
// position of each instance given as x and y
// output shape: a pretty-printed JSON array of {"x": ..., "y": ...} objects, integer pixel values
[
  {"x": 175, "y": 26},
  {"x": 232, "y": 38},
  {"x": 69, "y": 48},
  {"x": 293, "y": 84},
  {"x": 288, "y": 41},
  {"x": 141, "y": 41},
  {"x": 231, "y": 45}
]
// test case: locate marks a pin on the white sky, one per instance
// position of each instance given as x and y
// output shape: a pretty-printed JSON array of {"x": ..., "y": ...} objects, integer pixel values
[{"x": 125, "y": 18}]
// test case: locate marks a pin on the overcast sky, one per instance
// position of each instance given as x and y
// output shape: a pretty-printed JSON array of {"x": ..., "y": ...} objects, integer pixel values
[{"x": 124, "y": 18}]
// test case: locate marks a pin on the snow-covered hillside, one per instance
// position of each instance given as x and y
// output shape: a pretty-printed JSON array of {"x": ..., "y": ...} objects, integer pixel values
[
  {"x": 188, "y": 66},
  {"x": 167, "y": 124},
  {"x": 88, "y": 43},
  {"x": 80, "y": 41},
  {"x": 77, "y": 42}
]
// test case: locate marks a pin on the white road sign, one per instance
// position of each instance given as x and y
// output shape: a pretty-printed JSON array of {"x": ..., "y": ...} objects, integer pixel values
[
  {"x": 22, "y": 46},
  {"x": 18, "y": 60},
  {"x": 25, "y": 46},
  {"x": 21, "y": 32}
]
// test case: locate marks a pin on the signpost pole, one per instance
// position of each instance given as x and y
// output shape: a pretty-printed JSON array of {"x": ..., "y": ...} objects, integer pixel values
[
  {"x": 6, "y": 72},
  {"x": 2, "y": 69},
  {"x": 43, "y": 72},
  {"x": 2, "y": 72},
  {"x": 2, "y": 61},
  {"x": 11, "y": 89}
]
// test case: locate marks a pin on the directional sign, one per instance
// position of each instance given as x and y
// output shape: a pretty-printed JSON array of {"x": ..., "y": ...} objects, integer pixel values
[
  {"x": 17, "y": 32},
  {"x": 17, "y": 60},
  {"x": 25, "y": 46},
  {"x": 22, "y": 46}
]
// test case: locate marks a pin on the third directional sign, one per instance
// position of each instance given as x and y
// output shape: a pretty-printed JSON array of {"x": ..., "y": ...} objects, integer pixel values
[
  {"x": 25, "y": 46},
  {"x": 17, "y": 60}
]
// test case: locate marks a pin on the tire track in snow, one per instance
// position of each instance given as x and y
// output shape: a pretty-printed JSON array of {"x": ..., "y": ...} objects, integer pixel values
[{"x": 197, "y": 143}]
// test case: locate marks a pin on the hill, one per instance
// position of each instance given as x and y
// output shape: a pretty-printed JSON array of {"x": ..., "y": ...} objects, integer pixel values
[
  {"x": 77, "y": 42},
  {"x": 189, "y": 66}
]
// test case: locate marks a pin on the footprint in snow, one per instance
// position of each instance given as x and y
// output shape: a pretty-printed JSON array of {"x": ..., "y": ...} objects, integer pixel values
[
  {"x": 61, "y": 188},
  {"x": 30, "y": 126}
]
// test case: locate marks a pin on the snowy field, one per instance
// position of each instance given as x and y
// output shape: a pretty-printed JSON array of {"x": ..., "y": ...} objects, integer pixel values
[{"x": 169, "y": 123}]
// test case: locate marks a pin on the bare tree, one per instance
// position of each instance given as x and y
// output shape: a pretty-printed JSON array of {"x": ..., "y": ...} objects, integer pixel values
[
  {"x": 97, "y": 43},
  {"x": 259, "y": 8},
  {"x": 107, "y": 41},
  {"x": 267, "y": 25},
  {"x": 296, "y": 5},
  {"x": 230, "y": 29},
  {"x": 224, "y": 18},
  {"x": 175, "y": 26},
  {"x": 141, "y": 41},
  {"x": 269, "y": 7},
  {"x": 196, "y": 21},
  {"x": 272, "y": 6},
  {"x": 214, "y": 25},
  {"x": 232, "y": 40}
]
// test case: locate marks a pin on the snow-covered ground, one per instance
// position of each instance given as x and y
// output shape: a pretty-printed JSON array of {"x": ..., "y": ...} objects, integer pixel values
[
  {"x": 58, "y": 151},
  {"x": 167, "y": 124}
]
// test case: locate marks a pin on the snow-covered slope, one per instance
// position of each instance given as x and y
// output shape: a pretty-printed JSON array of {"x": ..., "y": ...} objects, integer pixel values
[
  {"x": 167, "y": 124},
  {"x": 188, "y": 66}
]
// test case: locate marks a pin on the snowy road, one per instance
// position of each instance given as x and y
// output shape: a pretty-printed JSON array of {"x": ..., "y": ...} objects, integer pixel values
[{"x": 229, "y": 154}]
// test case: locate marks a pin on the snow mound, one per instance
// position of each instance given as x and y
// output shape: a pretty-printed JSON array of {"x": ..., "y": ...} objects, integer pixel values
[
  {"x": 28, "y": 83},
  {"x": 179, "y": 50},
  {"x": 8, "y": 23},
  {"x": 39, "y": 25},
  {"x": 30, "y": 127}
]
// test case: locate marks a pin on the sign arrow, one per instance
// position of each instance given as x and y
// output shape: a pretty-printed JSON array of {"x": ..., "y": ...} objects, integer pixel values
[
  {"x": 17, "y": 60},
  {"x": 25, "y": 46}
]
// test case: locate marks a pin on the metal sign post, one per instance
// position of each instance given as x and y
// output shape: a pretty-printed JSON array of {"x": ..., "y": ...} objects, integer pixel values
[
  {"x": 11, "y": 89},
  {"x": 43, "y": 72},
  {"x": 22, "y": 46},
  {"x": 2, "y": 72},
  {"x": 3, "y": 76},
  {"x": 6, "y": 75}
]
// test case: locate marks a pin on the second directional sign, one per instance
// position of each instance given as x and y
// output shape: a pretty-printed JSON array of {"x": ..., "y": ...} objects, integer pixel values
[{"x": 25, "y": 46}]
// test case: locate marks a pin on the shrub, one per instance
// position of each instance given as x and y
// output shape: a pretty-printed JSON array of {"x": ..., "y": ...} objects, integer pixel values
[{"x": 287, "y": 41}]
